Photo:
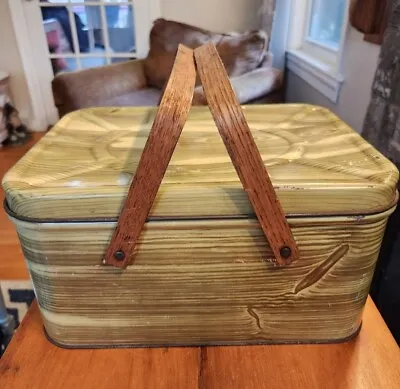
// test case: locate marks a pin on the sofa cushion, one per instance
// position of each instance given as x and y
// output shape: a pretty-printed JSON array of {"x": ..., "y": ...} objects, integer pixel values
[
  {"x": 141, "y": 97},
  {"x": 240, "y": 53}
]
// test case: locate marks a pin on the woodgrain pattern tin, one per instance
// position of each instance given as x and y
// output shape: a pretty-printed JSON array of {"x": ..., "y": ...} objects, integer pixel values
[{"x": 203, "y": 270}]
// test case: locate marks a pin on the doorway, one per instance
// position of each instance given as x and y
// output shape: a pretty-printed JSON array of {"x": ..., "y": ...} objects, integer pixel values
[{"x": 68, "y": 35}]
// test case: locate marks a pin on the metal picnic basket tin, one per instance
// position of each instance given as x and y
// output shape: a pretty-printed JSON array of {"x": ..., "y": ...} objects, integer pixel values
[{"x": 131, "y": 242}]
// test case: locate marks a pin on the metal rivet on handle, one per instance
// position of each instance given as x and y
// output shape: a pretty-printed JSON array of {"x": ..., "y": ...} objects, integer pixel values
[
  {"x": 119, "y": 255},
  {"x": 285, "y": 252}
]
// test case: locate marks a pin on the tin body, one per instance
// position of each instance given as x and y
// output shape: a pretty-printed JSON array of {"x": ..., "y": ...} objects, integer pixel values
[{"x": 203, "y": 270}]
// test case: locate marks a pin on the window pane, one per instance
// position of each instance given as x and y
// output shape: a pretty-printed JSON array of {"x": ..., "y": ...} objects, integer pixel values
[
  {"x": 57, "y": 40},
  {"x": 89, "y": 28},
  {"x": 93, "y": 62},
  {"x": 327, "y": 18},
  {"x": 60, "y": 65},
  {"x": 121, "y": 31},
  {"x": 59, "y": 31},
  {"x": 71, "y": 65}
]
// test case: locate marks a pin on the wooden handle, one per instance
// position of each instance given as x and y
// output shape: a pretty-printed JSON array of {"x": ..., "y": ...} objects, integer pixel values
[
  {"x": 167, "y": 127},
  {"x": 244, "y": 154}
]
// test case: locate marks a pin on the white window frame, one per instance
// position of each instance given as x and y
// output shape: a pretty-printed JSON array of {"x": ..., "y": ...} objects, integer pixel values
[
  {"x": 32, "y": 47},
  {"x": 108, "y": 55},
  {"x": 317, "y": 64}
]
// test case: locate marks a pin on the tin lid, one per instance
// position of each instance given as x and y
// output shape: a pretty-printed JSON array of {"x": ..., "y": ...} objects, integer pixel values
[{"x": 81, "y": 170}]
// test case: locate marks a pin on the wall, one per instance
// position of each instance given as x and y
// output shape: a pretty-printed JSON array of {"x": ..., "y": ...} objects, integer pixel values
[
  {"x": 360, "y": 60},
  {"x": 10, "y": 61},
  {"x": 219, "y": 16}
]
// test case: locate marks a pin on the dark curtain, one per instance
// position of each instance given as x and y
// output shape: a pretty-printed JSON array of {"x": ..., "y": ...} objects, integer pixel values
[
  {"x": 370, "y": 17},
  {"x": 382, "y": 129},
  {"x": 382, "y": 122}
]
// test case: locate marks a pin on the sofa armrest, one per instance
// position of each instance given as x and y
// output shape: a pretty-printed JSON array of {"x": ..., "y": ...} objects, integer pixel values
[
  {"x": 90, "y": 87},
  {"x": 249, "y": 86}
]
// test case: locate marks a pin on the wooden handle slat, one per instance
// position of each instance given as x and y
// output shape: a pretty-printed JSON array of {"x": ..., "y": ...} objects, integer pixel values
[
  {"x": 167, "y": 127},
  {"x": 244, "y": 153}
]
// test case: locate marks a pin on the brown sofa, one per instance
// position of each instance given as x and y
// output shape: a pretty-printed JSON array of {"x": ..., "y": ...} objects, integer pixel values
[{"x": 140, "y": 82}]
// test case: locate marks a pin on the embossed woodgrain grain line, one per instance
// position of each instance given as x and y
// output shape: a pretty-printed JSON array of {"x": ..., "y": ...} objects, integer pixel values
[{"x": 322, "y": 269}]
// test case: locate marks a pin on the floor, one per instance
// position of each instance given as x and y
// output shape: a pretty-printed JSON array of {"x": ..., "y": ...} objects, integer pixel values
[
  {"x": 12, "y": 265},
  {"x": 15, "y": 286}
]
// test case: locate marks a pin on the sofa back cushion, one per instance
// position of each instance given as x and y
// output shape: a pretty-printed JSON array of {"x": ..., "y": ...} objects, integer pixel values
[{"x": 240, "y": 53}]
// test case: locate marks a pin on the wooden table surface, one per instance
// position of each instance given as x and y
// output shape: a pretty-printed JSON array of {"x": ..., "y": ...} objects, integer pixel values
[{"x": 371, "y": 361}]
